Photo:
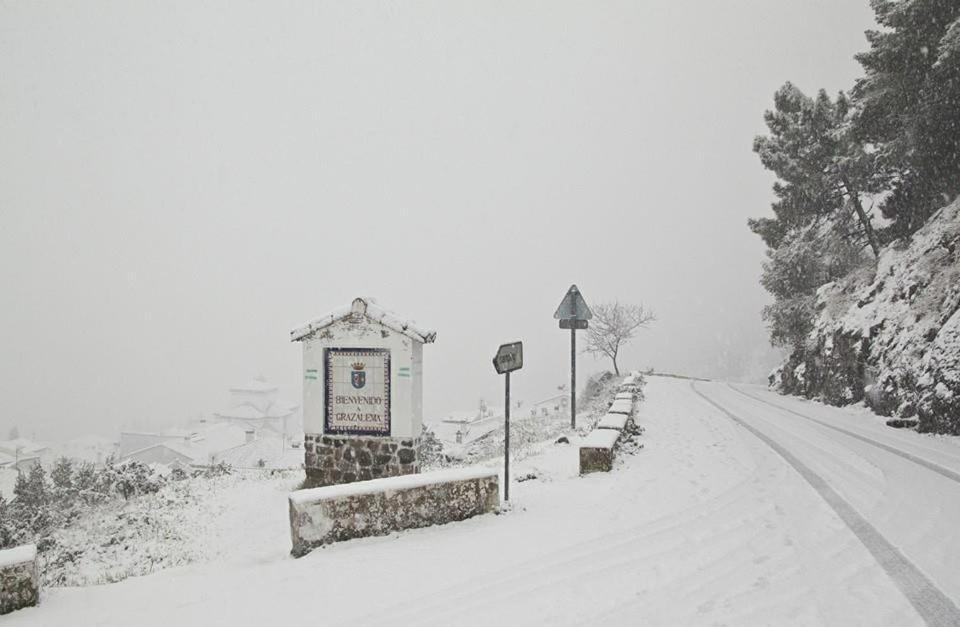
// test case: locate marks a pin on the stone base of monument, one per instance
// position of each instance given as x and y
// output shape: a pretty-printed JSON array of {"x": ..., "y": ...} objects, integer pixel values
[
  {"x": 336, "y": 459},
  {"x": 19, "y": 578},
  {"x": 321, "y": 516}
]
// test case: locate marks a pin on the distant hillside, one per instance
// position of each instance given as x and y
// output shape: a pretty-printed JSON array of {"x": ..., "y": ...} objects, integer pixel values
[{"x": 890, "y": 335}]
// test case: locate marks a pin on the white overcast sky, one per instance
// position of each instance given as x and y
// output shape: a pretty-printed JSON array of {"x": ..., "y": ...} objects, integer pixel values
[{"x": 182, "y": 182}]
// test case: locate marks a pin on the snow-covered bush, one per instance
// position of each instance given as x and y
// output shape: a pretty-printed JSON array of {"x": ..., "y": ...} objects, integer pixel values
[
  {"x": 597, "y": 386},
  {"x": 193, "y": 519},
  {"x": 133, "y": 478},
  {"x": 431, "y": 448},
  {"x": 103, "y": 524},
  {"x": 219, "y": 469}
]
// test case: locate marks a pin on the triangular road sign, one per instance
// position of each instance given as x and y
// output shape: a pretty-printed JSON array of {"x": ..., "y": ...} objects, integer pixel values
[{"x": 573, "y": 307}]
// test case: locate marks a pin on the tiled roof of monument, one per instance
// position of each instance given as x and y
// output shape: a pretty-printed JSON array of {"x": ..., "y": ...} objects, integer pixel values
[{"x": 372, "y": 312}]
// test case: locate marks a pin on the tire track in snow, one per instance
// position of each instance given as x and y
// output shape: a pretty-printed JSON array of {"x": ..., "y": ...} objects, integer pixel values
[
  {"x": 611, "y": 555},
  {"x": 609, "y": 552},
  {"x": 946, "y": 472},
  {"x": 595, "y": 560},
  {"x": 931, "y": 603}
]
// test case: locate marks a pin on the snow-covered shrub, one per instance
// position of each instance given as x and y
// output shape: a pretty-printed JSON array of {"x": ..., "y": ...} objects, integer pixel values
[
  {"x": 185, "y": 521},
  {"x": 102, "y": 524},
  {"x": 219, "y": 469},
  {"x": 178, "y": 474},
  {"x": 597, "y": 385},
  {"x": 41, "y": 505},
  {"x": 133, "y": 478},
  {"x": 431, "y": 448}
]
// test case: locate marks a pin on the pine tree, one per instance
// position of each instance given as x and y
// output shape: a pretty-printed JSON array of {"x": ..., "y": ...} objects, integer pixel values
[
  {"x": 6, "y": 524},
  {"x": 820, "y": 224},
  {"x": 823, "y": 172},
  {"x": 37, "y": 492},
  {"x": 21, "y": 489},
  {"x": 805, "y": 260},
  {"x": 908, "y": 107},
  {"x": 86, "y": 476},
  {"x": 62, "y": 474}
]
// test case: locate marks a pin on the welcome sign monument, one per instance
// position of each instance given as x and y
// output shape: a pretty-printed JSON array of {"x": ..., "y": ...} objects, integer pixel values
[{"x": 362, "y": 394}]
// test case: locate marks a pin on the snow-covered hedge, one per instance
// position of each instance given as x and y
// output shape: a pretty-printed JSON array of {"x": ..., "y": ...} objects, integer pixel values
[{"x": 891, "y": 336}]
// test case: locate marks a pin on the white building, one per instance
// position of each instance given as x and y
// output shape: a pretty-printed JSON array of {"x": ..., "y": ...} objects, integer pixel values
[
  {"x": 22, "y": 454},
  {"x": 256, "y": 405},
  {"x": 254, "y": 413},
  {"x": 552, "y": 405},
  {"x": 194, "y": 445}
]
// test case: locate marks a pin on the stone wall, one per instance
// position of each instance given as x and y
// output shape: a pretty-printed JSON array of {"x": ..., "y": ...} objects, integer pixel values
[
  {"x": 336, "y": 459},
  {"x": 373, "y": 508},
  {"x": 19, "y": 578}
]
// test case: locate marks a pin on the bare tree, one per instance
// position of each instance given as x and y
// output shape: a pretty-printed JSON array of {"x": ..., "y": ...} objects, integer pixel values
[{"x": 613, "y": 325}]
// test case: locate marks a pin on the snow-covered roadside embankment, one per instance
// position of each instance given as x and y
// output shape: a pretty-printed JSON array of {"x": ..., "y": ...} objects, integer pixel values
[{"x": 891, "y": 337}]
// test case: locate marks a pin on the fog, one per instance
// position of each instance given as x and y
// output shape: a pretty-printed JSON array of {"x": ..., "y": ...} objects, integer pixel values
[{"x": 182, "y": 184}]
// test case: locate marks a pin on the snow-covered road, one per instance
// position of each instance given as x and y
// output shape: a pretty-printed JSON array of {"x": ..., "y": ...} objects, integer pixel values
[
  {"x": 905, "y": 516},
  {"x": 709, "y": 524}
]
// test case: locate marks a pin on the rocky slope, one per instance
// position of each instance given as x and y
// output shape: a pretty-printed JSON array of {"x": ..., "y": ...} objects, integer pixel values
[{"x": 890, "y": 334}]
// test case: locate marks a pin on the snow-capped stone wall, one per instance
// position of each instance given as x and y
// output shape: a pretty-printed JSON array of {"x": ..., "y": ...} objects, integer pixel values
[
  {"x": 597, "y": 451},
  {"x": 890, "y": 335},
  {"x": 320, "y": 516},
  {"x": 19, "y": 578}
]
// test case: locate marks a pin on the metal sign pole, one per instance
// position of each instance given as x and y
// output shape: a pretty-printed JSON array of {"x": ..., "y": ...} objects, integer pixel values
[
  {"x": 573, "y": 313},
  {"x": 573, "y": 378},
  {"x": 509, "y": 358},
  {"x": 506, "y": 441}
]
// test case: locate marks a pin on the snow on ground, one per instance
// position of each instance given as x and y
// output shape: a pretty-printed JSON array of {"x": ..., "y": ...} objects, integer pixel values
[
  {"x": 705, "y": 525},
  {"x": 195, "y": 520}
]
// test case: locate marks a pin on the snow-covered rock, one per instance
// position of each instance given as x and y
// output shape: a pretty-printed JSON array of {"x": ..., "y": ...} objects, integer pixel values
[{"x": 890, "y": 335}]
